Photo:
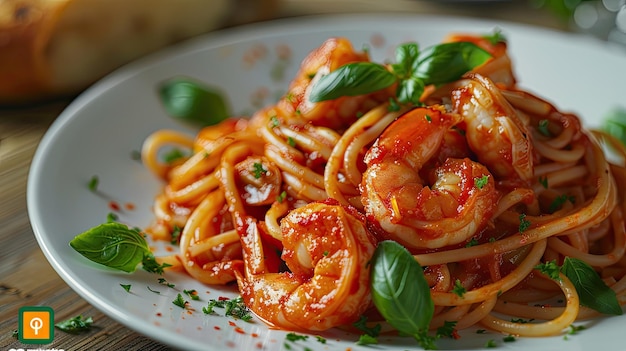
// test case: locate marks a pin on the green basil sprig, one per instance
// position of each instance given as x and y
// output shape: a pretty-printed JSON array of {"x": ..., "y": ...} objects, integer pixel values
[
  {"x": 117, "y": 246},
  {"x": 192, "y": 102},
  {"x": 615, "y": 124},
  {"x": 352, "y": 79},
  {"x": 591, "y": 289},
  {"x": 75, "y": 325},
  {"x": 413, "y": 70},
  {"x": 400, "y": 291}
]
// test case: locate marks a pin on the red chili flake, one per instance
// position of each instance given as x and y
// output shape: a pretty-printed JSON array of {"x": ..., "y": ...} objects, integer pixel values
[
  {"x": 455, "y": 334},
  {"x": 232, "y": 324},
  {"x": 159, "y": 314},
  {"x": 231, "y": 344},
  {"x": 169, "y": 248},
  {"x": 223, "y": 298},
  {"x": 259, "y": 345},
  {"x": 129, "y": 206},
  {"x": 114, "y": 206},
  {"x": 239, "y": 330},
  {"x": 217, "y": 327},
  {"x": 255, "y": 335}
]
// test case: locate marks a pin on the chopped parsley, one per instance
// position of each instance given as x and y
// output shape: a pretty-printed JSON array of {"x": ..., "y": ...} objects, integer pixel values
[
  {"x": 174, "y": 155},
  {"x": 150, "y": 264},
  {"x": 574, "y": 329},
  {"x": 361, "y": 325},
  {"x": 480, "y": 182},
  {"x": 393, "y": 105},
  {"x": 481, "y": 331},
  {"x": 295, "y": 337},
  {"x": 428, "y": 118},
  {"x": 258, "y": 170},
  {"x": 550, "y": 268},
  {"x": 180, "y": 301},
  {"x": 126, "y": 287},
  {"x": 365, "y": 339},
  {"x": 543, "y": 127},
  {"x": 193, "y": 294},
  {"x": 472, "y": 242},
  {"x": 232, "y": 307},
  {"x": 458, "y": 288},
  {"x": 75, "y": 325},
  {"x": 275, "y": 122},
  {"x": 509, "y": 338},
  {"x": 320, "y": 339},
  {"x": 93, "y": 183},
  {"x": 496, "y": 37},
  {"x": 447, "y": 329},
  {"x": 154, "y": 291},
  {"x": 558, "y": 202},
  {"x": 291, "y": 141},
  {"x": 163, "y": 281},
  {"x": 543, "y": 180},
  {"x": 112, "y": 217},
  {"x": 491, "y": 344},
  {"x": 281, "y": 197},
  {"x": 135, "y": 155},
  {"x": 175, "y": 235},
  {"x": 524, "y": 224}
]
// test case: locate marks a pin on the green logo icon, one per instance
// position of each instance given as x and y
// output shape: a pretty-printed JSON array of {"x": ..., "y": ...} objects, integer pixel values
[{"x": 35, "y": 325}]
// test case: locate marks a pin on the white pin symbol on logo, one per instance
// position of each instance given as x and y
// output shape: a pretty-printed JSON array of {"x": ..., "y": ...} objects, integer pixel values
[{"x": 36, "y": 323}]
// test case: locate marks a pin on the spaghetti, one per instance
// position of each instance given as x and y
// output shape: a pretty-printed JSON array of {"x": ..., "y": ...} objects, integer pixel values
[{"x": 291, "y": 202}]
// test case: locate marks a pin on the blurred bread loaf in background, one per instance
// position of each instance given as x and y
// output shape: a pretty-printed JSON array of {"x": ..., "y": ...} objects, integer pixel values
[{"x": 53, "y": 48}]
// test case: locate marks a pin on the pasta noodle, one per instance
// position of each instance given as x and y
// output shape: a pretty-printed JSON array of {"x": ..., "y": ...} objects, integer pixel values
[{"x": 346, "y": 173}]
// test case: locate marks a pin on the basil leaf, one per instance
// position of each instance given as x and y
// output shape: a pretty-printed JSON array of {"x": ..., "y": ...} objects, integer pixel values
[
  {"x": 615, "y": 124},
  {"x": 352, "y": 79},
  {"x": 447, "y": 62},
  {"x": 192, "y": 102},
  {"x": 495, "y": 38},
  {"x": 406, "y": 58},
  {"x": 592, "y": 290},
  {"x": 75, "y": 325},
  {"x": 113, "y": 245},
  {"x": 399, "y": 289},
  {"x": 410, "y": 90}
]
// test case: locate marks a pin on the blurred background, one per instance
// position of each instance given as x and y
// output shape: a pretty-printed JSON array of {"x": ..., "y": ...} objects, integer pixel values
[{"x": 53, "y": 48}]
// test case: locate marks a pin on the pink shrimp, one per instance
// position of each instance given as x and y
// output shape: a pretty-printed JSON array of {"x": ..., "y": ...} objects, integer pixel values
[
  {"x": 494, "y": 130},
  {"x": 327, "y": 249},
  {"x": 396, "y": 193},
  {"x": 338, "y": 113}
]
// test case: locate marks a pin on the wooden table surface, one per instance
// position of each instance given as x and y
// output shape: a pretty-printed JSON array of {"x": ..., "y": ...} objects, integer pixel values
[{"x": 27, "y": 279}]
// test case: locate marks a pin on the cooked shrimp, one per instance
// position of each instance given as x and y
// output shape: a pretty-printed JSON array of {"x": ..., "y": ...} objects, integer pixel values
[
  {"x": 395, "y": 191},
  {"x": 337, "y": 114},
  {"x": 494, "y": 130},
  {"x": 327, "y": 249}
]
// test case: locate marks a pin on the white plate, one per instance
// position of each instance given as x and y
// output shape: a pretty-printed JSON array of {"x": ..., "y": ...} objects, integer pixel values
[{"x": 98, "y": 132}]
